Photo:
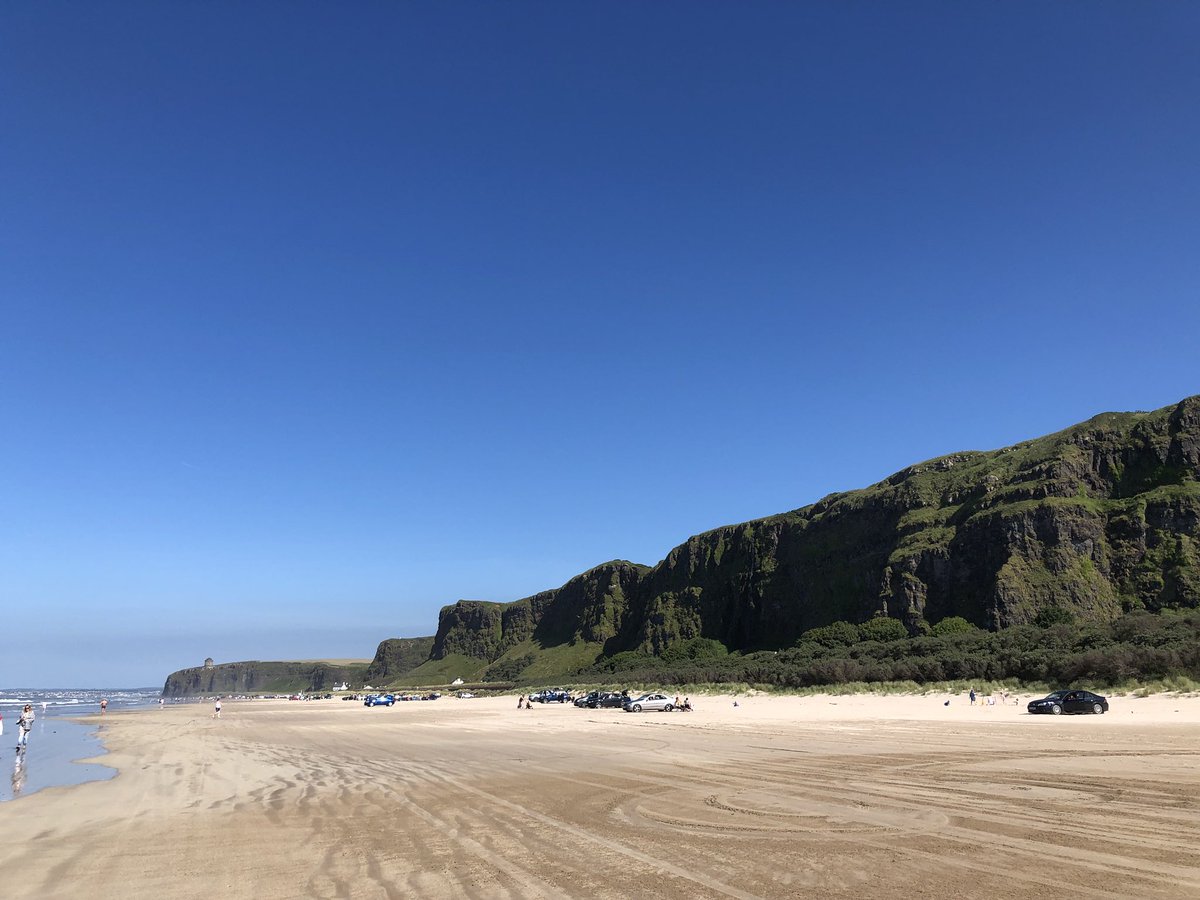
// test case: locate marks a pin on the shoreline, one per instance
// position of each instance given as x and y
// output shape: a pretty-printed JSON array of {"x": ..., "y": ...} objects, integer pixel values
[
  {"x": 62, "y": 752},
  {"x": 65, "y": 746}
]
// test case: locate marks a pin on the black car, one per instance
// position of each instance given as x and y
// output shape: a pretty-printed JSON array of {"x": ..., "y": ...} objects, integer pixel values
[
  {"x": 606, "y": 700},
  {"x": 1060, "y": 702},
  {"x": 600, "y": 700}
]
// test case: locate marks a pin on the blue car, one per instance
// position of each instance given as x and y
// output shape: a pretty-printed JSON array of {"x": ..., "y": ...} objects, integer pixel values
[
  {"x": 379, "y": 700},
  {"x": 551, "y": 695}
]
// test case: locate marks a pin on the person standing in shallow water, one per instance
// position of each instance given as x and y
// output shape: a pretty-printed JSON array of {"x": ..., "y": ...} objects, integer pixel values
[
  {"x": 24, "y": 726},
  {"x": 103, "y": 705}
]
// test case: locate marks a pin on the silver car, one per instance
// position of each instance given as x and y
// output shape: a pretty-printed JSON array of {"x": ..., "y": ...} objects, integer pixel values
[{"x": 649, "y": 703}]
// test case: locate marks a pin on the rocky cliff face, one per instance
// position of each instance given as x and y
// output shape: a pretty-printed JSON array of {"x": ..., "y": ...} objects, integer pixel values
[
  {"x": 1097, "y": 519},
  {"x": 257, "y": 676},
  {"x": 590, "y": 607},
  {"x": 396, "y": 657}
]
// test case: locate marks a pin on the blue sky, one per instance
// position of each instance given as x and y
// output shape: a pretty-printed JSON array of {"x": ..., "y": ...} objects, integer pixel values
[{"x": 315, "y": 317}]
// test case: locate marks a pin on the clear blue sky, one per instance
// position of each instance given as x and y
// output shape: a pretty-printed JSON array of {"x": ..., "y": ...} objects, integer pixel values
[{"x": 316, "y": 317}]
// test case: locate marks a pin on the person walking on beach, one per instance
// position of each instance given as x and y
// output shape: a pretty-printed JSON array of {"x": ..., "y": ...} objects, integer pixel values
[
  {"x": 217, "y": 709},
  {"x": 972, "y": 696},
  {"x": 521, "y": 701},
  {"x": 103, "y": 705},
  {"x": 24, "y": 726}
]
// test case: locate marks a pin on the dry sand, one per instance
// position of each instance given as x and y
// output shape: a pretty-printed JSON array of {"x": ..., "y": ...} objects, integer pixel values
[{"x": 779, "y": 797}]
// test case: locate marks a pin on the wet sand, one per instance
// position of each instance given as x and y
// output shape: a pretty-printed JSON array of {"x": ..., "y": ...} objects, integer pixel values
[
  {"x": 54, "y": 745},
  {"x": 778, "y": 797}
]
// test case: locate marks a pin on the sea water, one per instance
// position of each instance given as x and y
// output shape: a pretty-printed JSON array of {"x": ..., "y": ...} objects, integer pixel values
[{"x": 56, "y": 742}]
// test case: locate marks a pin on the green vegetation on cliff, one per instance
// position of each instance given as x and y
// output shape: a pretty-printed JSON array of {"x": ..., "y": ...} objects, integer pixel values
[{"x": 1136, "y": 646}]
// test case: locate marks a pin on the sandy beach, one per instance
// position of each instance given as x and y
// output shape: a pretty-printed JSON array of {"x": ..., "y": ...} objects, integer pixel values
[{"x": 858, "y": 796}]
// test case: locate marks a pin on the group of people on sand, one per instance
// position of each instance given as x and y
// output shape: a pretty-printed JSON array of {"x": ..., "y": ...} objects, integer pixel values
[{"x": 990, "y": 700}]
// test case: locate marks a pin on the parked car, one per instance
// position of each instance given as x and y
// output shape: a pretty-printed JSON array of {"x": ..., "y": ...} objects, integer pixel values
[
  {"x": 551, "y": 695},
  {"x": 379, "y": 700},
  {"x": 1060, "y": 702},
  {"x": 606, "y": 700},
  {"x": 649, "y": 703},
  {"x": 598, "y": 699}
]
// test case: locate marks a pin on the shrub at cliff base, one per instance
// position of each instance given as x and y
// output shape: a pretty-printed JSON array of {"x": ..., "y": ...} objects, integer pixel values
[{"x": 1138, "y": 646}]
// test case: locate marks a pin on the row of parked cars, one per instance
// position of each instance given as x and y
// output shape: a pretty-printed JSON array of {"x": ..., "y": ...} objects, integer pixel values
[
  {"x": 648, "y": 702},
  {"x": 1056, "y": 703},
  {"x": 389, "y": 699}
]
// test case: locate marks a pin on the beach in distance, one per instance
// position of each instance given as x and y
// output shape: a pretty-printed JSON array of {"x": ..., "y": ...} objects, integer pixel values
[{"x": 776, "y": 796}]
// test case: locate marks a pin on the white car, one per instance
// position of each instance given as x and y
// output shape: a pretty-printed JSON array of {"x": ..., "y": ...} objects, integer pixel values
[{"x": 649, "y": 703}]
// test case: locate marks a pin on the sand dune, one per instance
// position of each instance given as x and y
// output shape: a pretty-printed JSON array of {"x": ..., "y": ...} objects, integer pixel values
[{"x": 778, "y": 797}]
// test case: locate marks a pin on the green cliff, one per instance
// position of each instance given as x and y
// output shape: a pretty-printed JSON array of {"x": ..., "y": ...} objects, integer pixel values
[{"x": 1095, "y": 520}]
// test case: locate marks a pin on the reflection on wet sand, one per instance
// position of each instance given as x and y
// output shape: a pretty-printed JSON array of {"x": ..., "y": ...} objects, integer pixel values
[{"x": 18, "y": 774}]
